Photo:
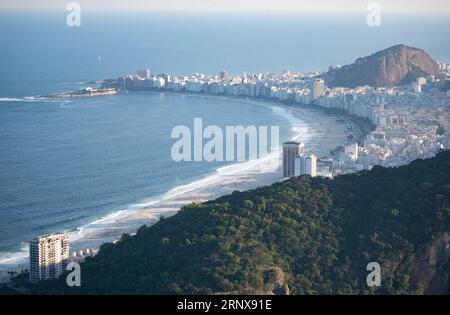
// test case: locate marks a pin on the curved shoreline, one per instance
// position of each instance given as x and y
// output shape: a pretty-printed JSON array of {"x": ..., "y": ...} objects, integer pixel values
[
  {"x": 313, "y": 126},
  {"x": 237, "y": 176}
]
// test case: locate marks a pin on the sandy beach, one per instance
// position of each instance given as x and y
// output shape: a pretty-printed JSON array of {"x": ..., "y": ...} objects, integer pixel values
[{"x": 320, "y": 133}]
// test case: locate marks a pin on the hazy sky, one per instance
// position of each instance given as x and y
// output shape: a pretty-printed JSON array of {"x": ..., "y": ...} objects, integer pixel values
[{"x": 236, "y": 5}]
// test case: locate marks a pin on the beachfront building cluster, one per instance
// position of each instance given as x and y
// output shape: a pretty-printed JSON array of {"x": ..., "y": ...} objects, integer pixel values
[
  {"x": 49, "y": 255},
  {"x": 410, "y": 121},
  {"x": 408, "y": 125},
  {"x": 444, "y": 66},
  {"x": 81, "y": 254},
  {"x": 296, "y": 162}
]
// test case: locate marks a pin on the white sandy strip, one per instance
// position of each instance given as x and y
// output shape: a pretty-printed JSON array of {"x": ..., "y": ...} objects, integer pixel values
[{"x": 325, "y": 134}]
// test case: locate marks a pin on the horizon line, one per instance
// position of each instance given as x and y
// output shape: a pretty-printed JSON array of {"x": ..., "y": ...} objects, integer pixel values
[{"x": 210, "y": 10}]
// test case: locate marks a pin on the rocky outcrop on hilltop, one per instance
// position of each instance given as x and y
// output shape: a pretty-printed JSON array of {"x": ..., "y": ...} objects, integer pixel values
[{"x": 396, "y": 65}]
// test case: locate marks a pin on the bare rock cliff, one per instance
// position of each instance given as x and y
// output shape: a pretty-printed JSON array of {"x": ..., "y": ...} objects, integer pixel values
[{"x": 396, "y": 65}]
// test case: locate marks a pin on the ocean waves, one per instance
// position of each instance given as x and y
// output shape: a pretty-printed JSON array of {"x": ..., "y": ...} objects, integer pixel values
[{"x": 223, "y": 180}]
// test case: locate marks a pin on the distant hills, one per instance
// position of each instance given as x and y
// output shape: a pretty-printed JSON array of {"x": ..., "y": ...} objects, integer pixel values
[
  {"x": 396, "y": 65},
  {"x": 301, "y": 236}
]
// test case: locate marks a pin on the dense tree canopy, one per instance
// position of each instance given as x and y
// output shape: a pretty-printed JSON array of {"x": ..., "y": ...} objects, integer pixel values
[{"x": 320, "y": 233}]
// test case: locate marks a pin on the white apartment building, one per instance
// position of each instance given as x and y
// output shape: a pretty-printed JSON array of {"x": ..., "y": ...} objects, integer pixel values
[
  {"x": 352, "y": 151},
  {"x": 317, "y": 88},
  {"x": 144, "y": 73},
  {"x": 49, "y": 255},
  {"x": 290, "y": 152},
  {"x": 306, "y": 165}
]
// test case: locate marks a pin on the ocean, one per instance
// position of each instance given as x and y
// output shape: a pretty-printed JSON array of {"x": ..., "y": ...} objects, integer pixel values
[{"x": 67, "y": 163}]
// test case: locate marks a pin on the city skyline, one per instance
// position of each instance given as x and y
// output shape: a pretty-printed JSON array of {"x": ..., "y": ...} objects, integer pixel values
[{"x": 416, "y": 6}]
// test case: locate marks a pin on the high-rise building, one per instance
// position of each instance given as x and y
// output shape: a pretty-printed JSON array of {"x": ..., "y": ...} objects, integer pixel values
[
  {"x": 417, "y": 88},
  {"x": 352, "y": 151},
  {"x": 49, "y": 255},
  {"x": 144, "y": 74},
  {"x": 421, "y": 81},
  {"x": 317, "y": 89},
  {"x": 311, "y": 165},
  {"x": 306, "y": 165},
  {"x": 164, "y": 76},
  {"x": 290, "y": 151},
  {"x": 224, "y": 74}
]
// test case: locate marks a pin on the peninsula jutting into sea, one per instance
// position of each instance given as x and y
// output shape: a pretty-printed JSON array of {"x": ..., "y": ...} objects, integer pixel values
[{"x": 387, "y": 118}]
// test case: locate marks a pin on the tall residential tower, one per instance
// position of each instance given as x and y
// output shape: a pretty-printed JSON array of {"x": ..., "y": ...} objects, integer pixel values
[
  {"x": 144, "y": 73},
  {"x": 290, "y": 151},
  {"x": 317, "y": 89},
  {"x": 49, "y": 255}
]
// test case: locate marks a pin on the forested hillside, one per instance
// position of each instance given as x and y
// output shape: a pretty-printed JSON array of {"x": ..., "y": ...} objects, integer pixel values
[{"x": 301, "y": 236}]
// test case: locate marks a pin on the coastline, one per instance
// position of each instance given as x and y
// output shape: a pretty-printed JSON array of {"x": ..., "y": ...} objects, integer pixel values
[{"x": 320, "y": 132}]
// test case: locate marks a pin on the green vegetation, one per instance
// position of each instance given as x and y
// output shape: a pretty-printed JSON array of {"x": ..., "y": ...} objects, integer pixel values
[
  {"x": 413, "y": 74},
  {"x": 321, "y": 233}
]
